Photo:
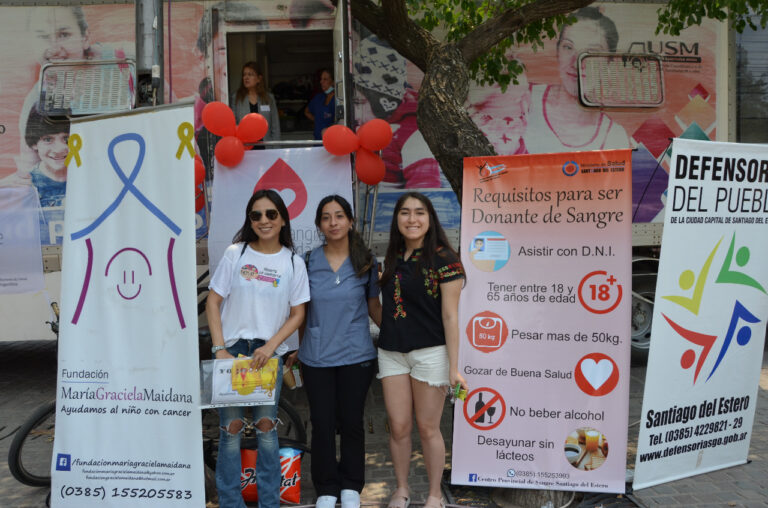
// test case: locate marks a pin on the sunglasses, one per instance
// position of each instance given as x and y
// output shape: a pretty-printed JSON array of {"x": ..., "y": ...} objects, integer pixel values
[{"x": 255, "y": 215}]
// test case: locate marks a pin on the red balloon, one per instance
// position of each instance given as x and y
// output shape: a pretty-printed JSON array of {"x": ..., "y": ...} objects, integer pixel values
[
  {"x": 219, "y": 119},
  {"x": 375, "y": 134},
  {"x": 229, "y": 151},
  {"x": 340, "y": 140},
  {"x": 369, "y": 167},
  {"x": 252, "y": 128},
  {"x": 199, "y": 170}
]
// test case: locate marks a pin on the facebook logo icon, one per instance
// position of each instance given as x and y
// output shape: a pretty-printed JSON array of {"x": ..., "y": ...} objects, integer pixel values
[
  {"x": 472, "y": 477},
  {"x": 63, "y": 462}
]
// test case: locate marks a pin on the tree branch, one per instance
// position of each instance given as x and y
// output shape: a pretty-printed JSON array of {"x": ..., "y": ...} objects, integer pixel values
[
  {"x": 504, "y": 25},
  {"x": 391, "y": 23}
]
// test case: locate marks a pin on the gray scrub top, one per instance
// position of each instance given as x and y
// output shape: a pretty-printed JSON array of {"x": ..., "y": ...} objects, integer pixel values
[{"x": 337, "y": 331}]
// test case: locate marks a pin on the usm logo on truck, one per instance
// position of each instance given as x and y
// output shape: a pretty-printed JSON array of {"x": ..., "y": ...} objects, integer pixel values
[{"x": 671, "y": 51}]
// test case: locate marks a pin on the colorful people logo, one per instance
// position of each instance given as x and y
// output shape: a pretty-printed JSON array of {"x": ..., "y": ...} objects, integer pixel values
[
  {"x": 729, "y": 276},
  {"x": 686, "y": 281},
  {"x": 726, "y": 275}
]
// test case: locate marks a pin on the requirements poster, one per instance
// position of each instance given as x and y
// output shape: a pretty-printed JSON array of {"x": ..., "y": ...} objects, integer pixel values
[
  {"x": 544, "y": 321},
  {"x": 128, "y": 430},
  {"x": 710, "y": 313}
]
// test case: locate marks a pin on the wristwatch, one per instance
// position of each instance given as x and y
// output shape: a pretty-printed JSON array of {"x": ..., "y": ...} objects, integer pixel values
[{"x": 217, "y": 348}]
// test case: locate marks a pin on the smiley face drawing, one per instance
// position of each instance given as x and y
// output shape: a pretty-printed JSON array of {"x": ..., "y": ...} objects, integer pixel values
[{"x": 126, "y": 286}]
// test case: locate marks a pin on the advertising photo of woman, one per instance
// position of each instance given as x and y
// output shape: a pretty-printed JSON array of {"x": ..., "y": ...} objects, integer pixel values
[{"x": 557, "y": 122}]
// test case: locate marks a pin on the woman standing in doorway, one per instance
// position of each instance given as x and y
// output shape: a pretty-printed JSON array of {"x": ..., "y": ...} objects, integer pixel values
[
  {"x": 256, "y": 301},
  {"x": 338, "y": 356},
  {"x": 418, "y": 345},
  {"x": 252, "y": 97},
  {"x": 322, "y": 108}
]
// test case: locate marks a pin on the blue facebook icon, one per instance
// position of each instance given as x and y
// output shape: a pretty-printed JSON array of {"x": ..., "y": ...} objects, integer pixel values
[
  {"x": 63, "y": 462},
  {"x": 472, "y": 477}
]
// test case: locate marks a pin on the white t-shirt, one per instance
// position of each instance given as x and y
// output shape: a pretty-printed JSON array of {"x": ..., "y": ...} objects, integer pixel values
[{"x": 259, "y": 291}]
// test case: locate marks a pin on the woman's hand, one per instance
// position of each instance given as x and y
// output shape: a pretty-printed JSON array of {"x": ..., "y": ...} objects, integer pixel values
[
  {"x": 261, "y": 356},
  {"x": 291, "y": 359},
  {"x": 222, "y": 354},
  {"x": 456, "y": 377}
]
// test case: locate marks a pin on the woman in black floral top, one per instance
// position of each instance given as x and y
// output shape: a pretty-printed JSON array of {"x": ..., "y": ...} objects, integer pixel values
[{"x": 418, "y": 344}]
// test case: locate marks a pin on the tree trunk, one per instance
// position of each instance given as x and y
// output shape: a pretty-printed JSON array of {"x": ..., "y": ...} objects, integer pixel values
[{"x": 445, "y": 124}]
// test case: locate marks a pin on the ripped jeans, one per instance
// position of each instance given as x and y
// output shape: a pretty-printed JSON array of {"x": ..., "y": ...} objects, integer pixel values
[{"x": 228, "y": 466}]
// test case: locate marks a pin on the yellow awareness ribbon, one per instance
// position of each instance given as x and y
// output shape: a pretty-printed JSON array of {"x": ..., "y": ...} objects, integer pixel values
[
  {"x": 186, "y": 134},
  {"x": 74, "y": 144}
]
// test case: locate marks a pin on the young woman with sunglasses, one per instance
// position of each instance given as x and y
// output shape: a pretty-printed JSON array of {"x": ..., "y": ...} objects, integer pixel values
[
  {"x": 256, "y": 300},
  {"x": 419, "y": 340},
  {"x": 338, "y": 356}
]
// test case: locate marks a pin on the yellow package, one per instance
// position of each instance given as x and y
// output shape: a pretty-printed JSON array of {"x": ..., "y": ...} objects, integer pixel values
[{"x": 246, "y": 379}]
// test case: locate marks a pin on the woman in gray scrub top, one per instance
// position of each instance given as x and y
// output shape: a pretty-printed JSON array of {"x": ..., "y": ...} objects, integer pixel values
[{"x": 337, "y": 353}]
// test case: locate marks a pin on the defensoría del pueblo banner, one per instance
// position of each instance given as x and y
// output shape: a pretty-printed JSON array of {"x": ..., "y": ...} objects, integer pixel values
[{"x": 710, "y": 313}]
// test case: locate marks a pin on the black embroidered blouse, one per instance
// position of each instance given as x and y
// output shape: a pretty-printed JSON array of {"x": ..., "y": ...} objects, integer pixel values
[{"x": 412, "y": 304}]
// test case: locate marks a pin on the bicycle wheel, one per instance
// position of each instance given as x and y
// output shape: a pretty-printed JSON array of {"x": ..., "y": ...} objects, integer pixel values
[
  {"x": 292, "y": 428},
  {"x": 29, "y": 457}
]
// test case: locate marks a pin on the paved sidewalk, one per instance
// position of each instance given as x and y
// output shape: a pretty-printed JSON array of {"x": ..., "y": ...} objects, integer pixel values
[
  {"x": 745, "y": 485},
  {"x": 27, "y": 379}
]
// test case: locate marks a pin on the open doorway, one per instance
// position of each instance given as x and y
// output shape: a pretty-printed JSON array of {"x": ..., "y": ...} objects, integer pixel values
[{"x": 291, "y": 61}]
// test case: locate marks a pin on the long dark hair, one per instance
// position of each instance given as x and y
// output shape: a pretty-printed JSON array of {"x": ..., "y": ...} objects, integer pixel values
[
  {"x": 435, "y": 241},
  {"x": 359, "y": 255},
  {"x": 248, "y": 235},
  {"x": 261, "y": 86}
]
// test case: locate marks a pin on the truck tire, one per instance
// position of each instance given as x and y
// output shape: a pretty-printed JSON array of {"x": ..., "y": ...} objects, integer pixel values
[{"x": 642, "y": 320}]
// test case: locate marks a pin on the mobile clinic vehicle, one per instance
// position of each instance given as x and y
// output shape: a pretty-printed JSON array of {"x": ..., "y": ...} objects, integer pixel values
[{"x": 635, "y": 89}]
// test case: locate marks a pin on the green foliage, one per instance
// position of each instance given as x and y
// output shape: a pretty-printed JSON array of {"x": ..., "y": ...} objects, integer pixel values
[
  {"x": 676, "y": 15},
  {"x": 456, "y": 18}
]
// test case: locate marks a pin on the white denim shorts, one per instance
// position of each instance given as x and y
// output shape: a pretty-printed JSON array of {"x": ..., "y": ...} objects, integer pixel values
[{"x": 429, "y": 365}]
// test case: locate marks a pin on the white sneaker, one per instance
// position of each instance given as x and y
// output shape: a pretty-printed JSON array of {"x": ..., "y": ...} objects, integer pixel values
[
  {"x": 325, "y": 502},
  {"x": 350, "y": 498}
]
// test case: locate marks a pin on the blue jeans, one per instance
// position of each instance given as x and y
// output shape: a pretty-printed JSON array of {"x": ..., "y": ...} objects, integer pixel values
[{"x": 228, "y": 466}]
